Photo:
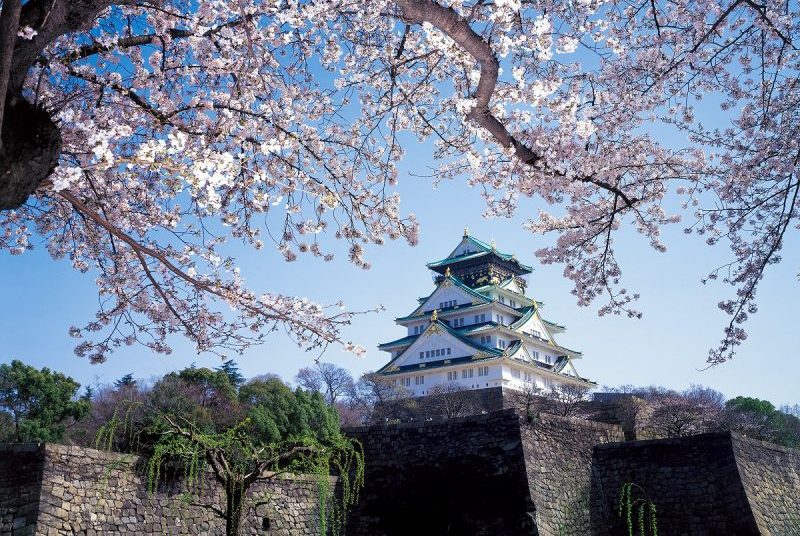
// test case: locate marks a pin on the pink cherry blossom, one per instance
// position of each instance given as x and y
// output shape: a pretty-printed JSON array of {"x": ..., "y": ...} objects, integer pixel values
[{"x": 185, "y": 125}]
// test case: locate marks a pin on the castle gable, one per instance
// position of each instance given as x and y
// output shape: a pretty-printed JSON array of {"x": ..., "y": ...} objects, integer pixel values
[
  {"x": 438, "y": 343},
  {"x": 531, "y": 324}
]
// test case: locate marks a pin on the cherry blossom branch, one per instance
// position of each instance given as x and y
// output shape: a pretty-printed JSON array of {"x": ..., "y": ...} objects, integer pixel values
[
  {"x": 459, "y": 30},
  {"x": 228, "y": 294}
]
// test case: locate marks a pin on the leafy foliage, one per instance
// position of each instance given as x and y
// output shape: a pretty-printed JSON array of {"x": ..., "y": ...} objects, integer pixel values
[
  {"x": 40, "y": 403},
  {"x": 760, "y": 419},
  {"x": 195, "y": 421},
  {"x": 276, "y": 412}
]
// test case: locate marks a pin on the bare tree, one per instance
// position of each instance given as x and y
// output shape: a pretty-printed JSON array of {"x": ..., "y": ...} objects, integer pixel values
[
  {"x": 378, "y": 399},
  {"x": 450, "y": 400},
  {"x": 669, "y": 413},
  {"x": 528, "y": 401},
  {"x": 567, "y": 399},
  {"x": 329, "y": 379}
]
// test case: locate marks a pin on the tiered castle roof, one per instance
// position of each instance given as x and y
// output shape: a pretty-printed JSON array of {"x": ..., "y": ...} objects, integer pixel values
[{"x": 479, "y": 313}]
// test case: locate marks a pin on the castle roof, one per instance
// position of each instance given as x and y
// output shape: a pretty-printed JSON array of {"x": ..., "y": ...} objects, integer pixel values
[{"x": 482, "y": 251}]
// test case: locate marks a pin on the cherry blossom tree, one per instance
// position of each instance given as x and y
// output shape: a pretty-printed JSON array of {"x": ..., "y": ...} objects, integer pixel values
[{"x": 139, "y": 136}]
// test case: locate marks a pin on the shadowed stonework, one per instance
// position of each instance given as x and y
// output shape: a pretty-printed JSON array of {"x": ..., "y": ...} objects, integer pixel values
[
  {"x": 718, "y": 483},
  {"x": 486, "y": 474}
]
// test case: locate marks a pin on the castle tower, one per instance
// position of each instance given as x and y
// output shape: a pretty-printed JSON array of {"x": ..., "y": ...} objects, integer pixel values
[{"x": 479, "y": 330}]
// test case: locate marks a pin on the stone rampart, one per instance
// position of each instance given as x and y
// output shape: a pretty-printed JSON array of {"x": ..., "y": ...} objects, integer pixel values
[
  {"x": 20, "y": 483},
  {"x": 558, "y": 459},
  {"x": 717, "y": 483},
  {"x": 770, "y": 475},
  {"x": 58, "y": 489},
  {"x": 479, "y": 475}
]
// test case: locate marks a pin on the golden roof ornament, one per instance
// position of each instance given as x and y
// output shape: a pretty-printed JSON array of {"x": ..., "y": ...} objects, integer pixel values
[
  {"x": 494, "y": 246},
  {"x": 466, "y": 231},
  {"x": 447, "y": 272},
  {"x": 435, "y": 315}
]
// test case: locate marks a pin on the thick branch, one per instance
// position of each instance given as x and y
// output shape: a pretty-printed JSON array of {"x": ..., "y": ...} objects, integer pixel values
[
  {"x": 458, "y": 29},
  {"x": 9, "y": 23}
]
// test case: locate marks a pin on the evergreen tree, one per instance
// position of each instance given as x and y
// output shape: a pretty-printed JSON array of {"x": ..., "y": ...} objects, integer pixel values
[
  {"x": 231, "y": 369},
  {"x": 125, "y": 381},
  {"x": 39, "y": 402},
  {"x": 88, "y": 393}
]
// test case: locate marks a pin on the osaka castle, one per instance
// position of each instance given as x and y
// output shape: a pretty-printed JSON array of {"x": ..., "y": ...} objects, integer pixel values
[{"x": 479, "y": 330}]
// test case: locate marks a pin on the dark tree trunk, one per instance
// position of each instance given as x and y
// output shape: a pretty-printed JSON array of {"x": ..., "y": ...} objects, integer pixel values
[
  {"x": 31, "y": 141},
  {"x": 234, "y": 493},
  {"x": 30, "y": 150}
]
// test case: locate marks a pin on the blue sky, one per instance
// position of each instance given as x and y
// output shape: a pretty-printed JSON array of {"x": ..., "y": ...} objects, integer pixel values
[{"x": 41, "y": 298}]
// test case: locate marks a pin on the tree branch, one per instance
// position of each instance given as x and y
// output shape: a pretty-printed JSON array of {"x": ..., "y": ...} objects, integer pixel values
[
  {"x": 9, "y": 23},
  {"x": 458, "y": 29}
]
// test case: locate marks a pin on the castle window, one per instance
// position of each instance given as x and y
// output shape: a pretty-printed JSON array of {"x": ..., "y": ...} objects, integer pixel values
[
  {"x": 512, "y": 303},
  {"x": 549, "y": 359},
  {"x": 483, "y": 371},
  {"x": 476, "y": 319},
  {"x": 502, "y": 299},
  {"x": 535, "y": 354},
  {"x": 483, "y": 318},
  {"x": 501, "y": 343},
  {"x": 452, "y": 376},
  {"x": 419, "y": 380},
  {"x": 427, "y": 353},
  {"x": 448, "y": 351},
  {"x": 515, "y": 372},
  {"x": 486, "y": 339},
  {"x": 421, "y": 355},
  {"x": 466, "y": 373},
  {"x": 405, "y": 381}
]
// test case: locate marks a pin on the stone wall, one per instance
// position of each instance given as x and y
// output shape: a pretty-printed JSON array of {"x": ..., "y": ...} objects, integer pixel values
[
  {"x": 20, "y": 482},
  {"x": 717, "y": 483},
  {"x": 771, "y": 478},
  {"x": 558, "y": 459},
  {"x": 79, "y": 491},
  {"x": 485, "y": 474},
  {"x": 460, "y": 476}
]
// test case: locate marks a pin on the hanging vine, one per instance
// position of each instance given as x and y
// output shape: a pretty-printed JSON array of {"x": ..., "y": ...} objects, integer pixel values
[{"x": 639, "y": 513}]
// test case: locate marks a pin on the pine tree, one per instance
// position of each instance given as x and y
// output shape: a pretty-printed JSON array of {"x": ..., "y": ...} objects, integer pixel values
[
  {"x": 231, "y": 369},
  {"x": 125, "y": 381}
]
